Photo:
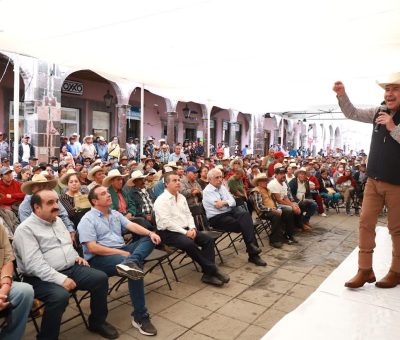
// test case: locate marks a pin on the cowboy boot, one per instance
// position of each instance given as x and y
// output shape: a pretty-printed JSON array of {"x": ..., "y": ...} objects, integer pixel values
[
  {"x": 363, "y": 276},
  {"x": 392, "y": 279}
]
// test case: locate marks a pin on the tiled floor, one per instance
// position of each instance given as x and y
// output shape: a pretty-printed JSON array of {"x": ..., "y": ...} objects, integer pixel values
[{"x": 249, "y": 305}]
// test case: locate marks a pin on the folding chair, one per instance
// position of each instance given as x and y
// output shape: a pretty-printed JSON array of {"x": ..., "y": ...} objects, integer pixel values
[
  {"x": 35, "y": 311},
  {"x": 262, "y": 224}
]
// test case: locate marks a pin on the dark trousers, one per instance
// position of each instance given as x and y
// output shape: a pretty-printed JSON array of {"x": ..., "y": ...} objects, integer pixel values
[
  {"x": 56, "y": 298},
  {"x": 235, "y": 221},
  {"x": 276, "y": 225},
  {"x": 205, "y": 256}
]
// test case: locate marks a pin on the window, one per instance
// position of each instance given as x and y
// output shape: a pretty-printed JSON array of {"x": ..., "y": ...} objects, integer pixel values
[
  {"x": 101, "y": 121},
  {"x": 69, "y": 121}
]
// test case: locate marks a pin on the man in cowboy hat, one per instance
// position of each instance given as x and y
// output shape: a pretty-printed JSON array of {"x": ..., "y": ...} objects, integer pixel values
[
  {"x": 164, "y": 154},
  {"x": 37, "y": 183},
  {"x": 383, "y": 183},
  {"x": 266, "y": 206},
  {"x": 96, "y": 175},
  {"x": 142, "y": 198},
  {"x": 88, "y": 148},
  {"x": 10, "y": 189}
]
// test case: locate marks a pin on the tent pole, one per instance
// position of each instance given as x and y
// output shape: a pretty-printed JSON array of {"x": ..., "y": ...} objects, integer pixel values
[{"x": 16, "y": 108}]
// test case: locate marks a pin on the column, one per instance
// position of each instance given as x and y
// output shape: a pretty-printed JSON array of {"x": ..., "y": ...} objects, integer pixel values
[
  {"x": 171, "y": 128},
  {"x": 122, "y": 112},
  {"x": 258, "y": 126},
  {"x": 232, "y": 129},
  {"x": 42, "y": 111}
]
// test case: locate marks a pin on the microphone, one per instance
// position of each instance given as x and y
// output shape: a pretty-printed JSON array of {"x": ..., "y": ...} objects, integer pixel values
[{"x": 382, "y": 108}]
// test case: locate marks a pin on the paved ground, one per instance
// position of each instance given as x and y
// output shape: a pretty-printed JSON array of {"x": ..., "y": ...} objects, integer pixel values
[{"x": 250, "y": 304}]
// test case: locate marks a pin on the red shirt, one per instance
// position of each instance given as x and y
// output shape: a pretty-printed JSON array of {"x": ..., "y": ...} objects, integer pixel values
[{"x": 14, "y": 189}]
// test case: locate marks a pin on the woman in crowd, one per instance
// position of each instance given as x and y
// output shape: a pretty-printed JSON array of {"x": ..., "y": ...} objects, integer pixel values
[
  {"x": 25, "y": 175},
  {"x": 66, "y": 156},
  {"x": 75, "y": 197},
  {"x": 203, "y": 181},
  {"x": 114, "y": 149},
  {"x": 82, "y": 175},
  {"x": 326, "y": 189},
  {"x": 346, "y": 185}
]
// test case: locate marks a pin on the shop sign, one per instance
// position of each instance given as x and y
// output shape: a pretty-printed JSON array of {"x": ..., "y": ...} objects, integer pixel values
[
  {"x": 134, "y": 113},
  {"x": 72, "y": 87}
]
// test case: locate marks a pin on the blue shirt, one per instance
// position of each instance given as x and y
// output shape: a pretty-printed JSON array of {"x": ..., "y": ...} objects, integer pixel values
[
  {"x": 173, "y": 157},
  {"x": 94, "y": 226},
  {"x": 212, "y": 194}
]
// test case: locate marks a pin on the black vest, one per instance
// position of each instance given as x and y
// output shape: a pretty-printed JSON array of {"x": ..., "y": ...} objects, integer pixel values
[{"x": 384, "y": 155}]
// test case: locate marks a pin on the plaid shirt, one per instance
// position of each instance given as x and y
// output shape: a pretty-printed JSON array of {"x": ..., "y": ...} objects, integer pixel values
[
  {"x": 259, "y": 202},
  {"x": 147, "y": 203}
]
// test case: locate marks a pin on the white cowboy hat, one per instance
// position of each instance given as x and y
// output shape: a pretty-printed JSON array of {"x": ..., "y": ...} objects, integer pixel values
[
  {"x": 65, "y": 178},
  {"x": 393, "y": 78},
  {"x": 87, "y": 137},
  {"x": 172, "y": 165},
  {"x": 302, "y": 169},
  {"x": 93, "y": 171},
  {"x": 260, "y": 177},
  {"x": 292, "y": 165},
  {"x": 135, "y": 175},
  {"x": 114, "y": 173},
  {"x": 38, "y": 179},
  {"x": 278, "y": 165}
]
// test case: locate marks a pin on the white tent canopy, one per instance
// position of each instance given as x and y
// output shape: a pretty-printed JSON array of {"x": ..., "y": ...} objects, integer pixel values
[{"x": 252, "y": 56}]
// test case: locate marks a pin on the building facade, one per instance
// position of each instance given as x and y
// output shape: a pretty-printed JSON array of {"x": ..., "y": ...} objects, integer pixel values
[{"x": 56, "y": 101}]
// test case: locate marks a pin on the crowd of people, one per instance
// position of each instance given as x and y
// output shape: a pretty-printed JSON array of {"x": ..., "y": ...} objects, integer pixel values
[{"x": 66, "y": 218}]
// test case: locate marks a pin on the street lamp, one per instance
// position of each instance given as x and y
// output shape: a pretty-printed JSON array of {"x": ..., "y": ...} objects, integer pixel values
[
  {"x": 108, "y": 98},
  {"x": 186, "y": 111}
]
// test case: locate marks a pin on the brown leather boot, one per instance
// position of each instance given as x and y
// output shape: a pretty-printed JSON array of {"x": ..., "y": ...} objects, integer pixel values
[
  {"x": 392, "y": 279},
  {"x": 363, "y": 276}
]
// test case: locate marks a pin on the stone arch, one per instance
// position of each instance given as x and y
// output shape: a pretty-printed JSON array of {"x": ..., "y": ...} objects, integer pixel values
[
  {"x": 338, "y": 138},
  {"x": 7, "y": 92},
  {"x": 331, "y": 138},
  {"x": 93, "y": 110}
]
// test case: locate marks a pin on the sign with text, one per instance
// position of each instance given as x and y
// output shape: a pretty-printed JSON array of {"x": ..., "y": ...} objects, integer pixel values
[{"x": 72, "y": 87}]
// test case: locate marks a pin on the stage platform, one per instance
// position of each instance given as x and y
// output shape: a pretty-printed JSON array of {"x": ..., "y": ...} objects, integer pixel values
[{"x": 334, "y": 312}]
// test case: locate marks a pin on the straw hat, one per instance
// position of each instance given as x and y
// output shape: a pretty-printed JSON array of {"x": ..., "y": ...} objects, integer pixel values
[
  {"x": 93, "y": 171},
  {"x": 172, "y": 165},
  {"x": 278, "y": 165},
  {"x": 236, "y": 160},
  {"x": 135, "y": 175},
  {"x": 114, "y": 173},
  {"x": 302, "y": 169},
  {"x": 260, "y": 177},
  {"x": 393, "y": 78},
  {"x": 41, "y": 180},
  {"x": 87, "y": 137},
  {"x": 65, "y": 178},
  {"x": 292, "y": 165}
]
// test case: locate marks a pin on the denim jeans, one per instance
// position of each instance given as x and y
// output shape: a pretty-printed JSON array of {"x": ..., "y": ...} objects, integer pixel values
[
  {"x": 20, "y": 298},
  {"x": 56, "y": 298},
  {"x": 139, "y": 250},
  {"x": 308, "y": 208}
]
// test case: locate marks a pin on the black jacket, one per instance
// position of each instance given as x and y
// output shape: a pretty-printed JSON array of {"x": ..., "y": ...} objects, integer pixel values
[
  {"x": 293, "y": 188},
  {"x": 21, "y": 151}
]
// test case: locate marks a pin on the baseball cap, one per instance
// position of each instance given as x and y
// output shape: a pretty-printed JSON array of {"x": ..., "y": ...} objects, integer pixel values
[
  {"x": 4, "y": 171},
  {"x": 192, "y": 168}
]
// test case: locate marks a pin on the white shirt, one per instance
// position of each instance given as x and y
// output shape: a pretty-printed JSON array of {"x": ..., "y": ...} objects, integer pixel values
[
  {"x": 301, "y": 190},
  {"x": 26, "y": 152},
  {"x": 277, "y": 188},
  {"x": 172, "y": 213}
]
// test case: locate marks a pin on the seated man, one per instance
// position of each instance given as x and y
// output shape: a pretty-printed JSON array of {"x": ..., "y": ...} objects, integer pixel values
[
  {"x": 266, "y": 206},
  {"x": 100, "y": 232},
  {"x": 96, "y": 175},
  {"x": 177, "y": 229},
  {"x": 120, "y": 200},
  {"x": 300, "y": 188},
  {"x": 49, "y": 262},
  {"x": 346, "y": 185},
  {"x": 280, "y": 193},
  {"x": 141, "y": 198},
  {"x": 39, "y": 182},
  {"x": 15, "y": 296},
  {"x": 10, "y": 189},
  {"x": 190, "y": 188},
  {"x": 219, "y": 204}
]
